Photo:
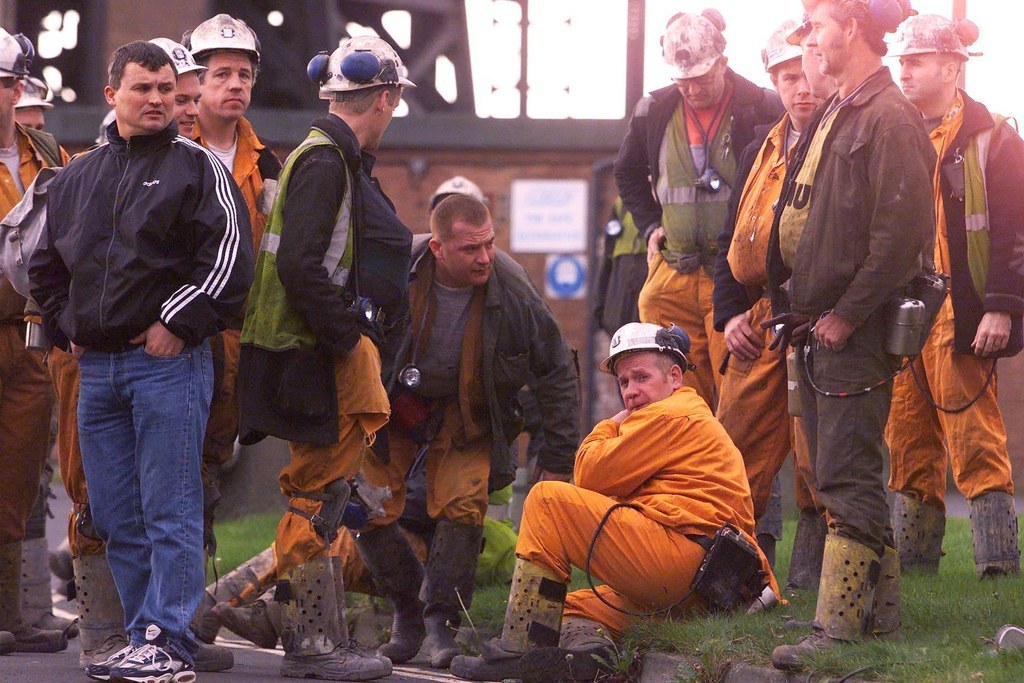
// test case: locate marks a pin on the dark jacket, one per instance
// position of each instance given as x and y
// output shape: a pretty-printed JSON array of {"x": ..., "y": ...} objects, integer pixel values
[
  {"x": 730, "y": 296},
  {"x": 872, "y": 211},
  {"x": 270, "y": 380},
  {"x": 522, "y": 342},
  {"x": 1004, "y": 189},
  {"x": 140, "y": 230},
  {"x": 636, "y": 167}
]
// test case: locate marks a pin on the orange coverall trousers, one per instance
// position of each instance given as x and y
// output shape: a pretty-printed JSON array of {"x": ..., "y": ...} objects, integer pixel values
[
  {"x": 650, "y": 565},
  {"x": 919, "y": 436},
  {"x": 753, "y": 407},
  {"x": 362, "y": 410},
  {"x": 457, "y": 474},
  {"x": 26, "y": 403},
  {"x": 669, "y": 296}
]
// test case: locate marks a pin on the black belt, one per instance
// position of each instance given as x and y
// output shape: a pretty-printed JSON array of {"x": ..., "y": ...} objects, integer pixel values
[
  {"x": 702, "y": 541},
  {"x": 113, "y": 346}
]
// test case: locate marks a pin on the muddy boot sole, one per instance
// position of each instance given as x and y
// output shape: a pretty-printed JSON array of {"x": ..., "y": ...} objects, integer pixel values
[
  {"x": 339, "y": 665},
  {"x": 480, "y": 669},
  {"x": 213, "y": 658},
  {"x": 546, "y": 664}
]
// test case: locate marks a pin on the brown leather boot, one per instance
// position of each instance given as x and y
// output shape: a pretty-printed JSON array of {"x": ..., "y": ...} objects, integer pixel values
[{"x": 581, "y": 646}]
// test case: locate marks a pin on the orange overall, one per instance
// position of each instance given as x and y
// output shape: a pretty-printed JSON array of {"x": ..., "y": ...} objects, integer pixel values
[
  {"x": 26, "y": 401},
  {"x": 222, "y": 426},
  {"x": 669, "y": 296},
  {"x": 675, "y": 463},
  {"x": 362, "y": 410},
  {"x": 759, "y": 387},
  {"x": 918, "y": 435},
  {"x": 458, "y": 457}
]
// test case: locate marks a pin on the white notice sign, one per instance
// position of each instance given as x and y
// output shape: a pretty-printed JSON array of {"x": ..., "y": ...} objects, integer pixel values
[{"x": 549, "y": 216}]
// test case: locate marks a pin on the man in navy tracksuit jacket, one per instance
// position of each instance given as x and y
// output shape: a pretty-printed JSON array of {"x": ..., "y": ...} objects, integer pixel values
[{"x": 148, "y": 252}]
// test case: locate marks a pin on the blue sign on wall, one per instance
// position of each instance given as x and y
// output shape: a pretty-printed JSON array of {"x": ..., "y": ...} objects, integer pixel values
[{"x": 565, "y": 276}]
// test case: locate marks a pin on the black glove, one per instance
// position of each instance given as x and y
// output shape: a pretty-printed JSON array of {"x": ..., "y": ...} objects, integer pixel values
[{"x": 795, "y": 328}]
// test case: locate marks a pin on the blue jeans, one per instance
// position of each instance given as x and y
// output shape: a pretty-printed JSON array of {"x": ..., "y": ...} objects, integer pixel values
[{"x": 141, "y": 420}]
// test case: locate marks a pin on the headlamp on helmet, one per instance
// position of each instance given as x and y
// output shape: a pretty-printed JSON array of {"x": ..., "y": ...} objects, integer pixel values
[{"x": 647, "y": 337}]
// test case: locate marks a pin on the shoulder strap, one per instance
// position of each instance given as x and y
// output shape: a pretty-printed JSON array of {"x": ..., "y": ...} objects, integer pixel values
[{"x": 46, "y": 145}]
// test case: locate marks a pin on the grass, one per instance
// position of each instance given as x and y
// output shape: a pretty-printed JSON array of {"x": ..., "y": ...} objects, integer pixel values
[
  {"x": 945, "y": 619},
  {"x": 239, "y": 539}
]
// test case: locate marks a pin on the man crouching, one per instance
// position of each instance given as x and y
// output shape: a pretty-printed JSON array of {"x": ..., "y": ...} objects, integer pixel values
[{"x": 654, "y": 485}]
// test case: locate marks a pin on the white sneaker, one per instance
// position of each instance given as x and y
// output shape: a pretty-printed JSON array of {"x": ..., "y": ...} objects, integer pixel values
[
  {"x": 153, "y": 663},
  {"x": 101, "y": 670}
]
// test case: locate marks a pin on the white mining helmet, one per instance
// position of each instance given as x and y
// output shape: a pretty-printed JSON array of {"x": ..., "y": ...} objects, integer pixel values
[
  {"x": 456, "y": 185},
  {"x": 16, "y": 53},
  {"x": 931, "y": 33},
  {"x": 779, "y": 50},
  {"x": 692, "y": 43},
  {"x": 222, "y": 32},
  {"x": 360, "y": 62},
  {"x": 637, "y": 337},
  {"x": 36, "y": 94},
  {"x": 183, "y": 60}
]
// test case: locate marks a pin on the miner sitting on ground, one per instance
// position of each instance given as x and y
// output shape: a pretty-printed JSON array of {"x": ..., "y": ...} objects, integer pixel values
[{"x": 654, "y": 484}]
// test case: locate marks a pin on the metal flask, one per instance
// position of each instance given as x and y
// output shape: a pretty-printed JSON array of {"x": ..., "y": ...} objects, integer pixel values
[
  {"x": 905, "y": 320},
  {"x": 793, "y": 384},
  {"x": 35, "y": 336}
]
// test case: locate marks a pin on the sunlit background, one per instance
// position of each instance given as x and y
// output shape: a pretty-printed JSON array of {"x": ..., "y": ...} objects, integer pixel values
[{"x": 576, "y": 65}]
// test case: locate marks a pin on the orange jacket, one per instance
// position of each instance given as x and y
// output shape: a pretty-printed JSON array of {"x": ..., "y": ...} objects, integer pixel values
[
  {"x": 247, "y": 175},
  {"x": 674, "y": 460},
  {"x": 748, "y": 253},
  {"x": 12, "y": 304}
]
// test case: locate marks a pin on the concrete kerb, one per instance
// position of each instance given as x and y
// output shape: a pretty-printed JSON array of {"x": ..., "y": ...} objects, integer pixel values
[{"x": 662, "y": 667}]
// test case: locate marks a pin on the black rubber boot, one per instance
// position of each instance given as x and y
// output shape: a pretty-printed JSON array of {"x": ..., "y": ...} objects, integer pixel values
[
  {"x": 808, "y": 546},
  {"x": 918, "y": 529},
  {"x": 259, "y": 623},
  {"x": 398, "y": 574},
  {"x": 448, "y": 588},
  {"x": 26, "y": 638},
  {"x": 994, "y": 532}
]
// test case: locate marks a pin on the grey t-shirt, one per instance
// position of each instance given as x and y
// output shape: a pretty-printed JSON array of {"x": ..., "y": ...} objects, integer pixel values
[{"x": 438, "y": 360}]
